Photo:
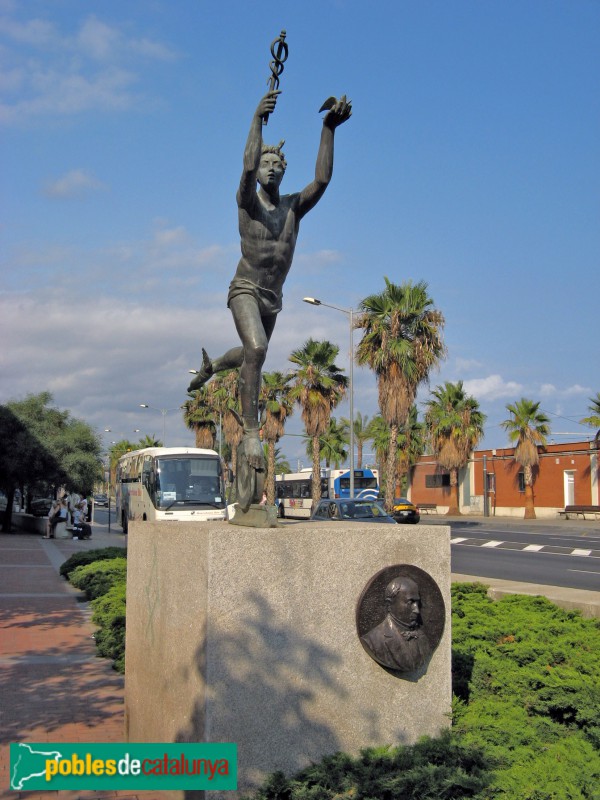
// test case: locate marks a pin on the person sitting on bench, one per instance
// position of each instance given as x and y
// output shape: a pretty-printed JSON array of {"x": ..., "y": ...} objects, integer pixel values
[{"x": 80, "y": 526}]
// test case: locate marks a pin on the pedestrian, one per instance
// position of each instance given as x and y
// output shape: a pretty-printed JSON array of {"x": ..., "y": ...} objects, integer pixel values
[
  {"x": 80, "y": 526},
  {"x": 58, "y": 513}
]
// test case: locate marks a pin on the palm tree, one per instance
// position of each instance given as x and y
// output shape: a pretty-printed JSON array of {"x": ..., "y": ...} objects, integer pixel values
[
  {"x": 199, "y": 416},
  {"x": 333, "y": 444},
  {"x": 114, "y": 454},
  {"x": 379, "y": 433},
  {"x": 277, "y": 407},
  {"x": 402, "y": 343},
  {"x": 225, "y": 399},
  {"x": 411, "y": 445},
  {"x": 528, "y": 428},
  {"x": 594, "y": 419},
  {"x": 455, "y": 427},
  {"x": 149, "y": 441},
  {"x": 282, "y": 465},
  {"x": 319, "y": 385},
  {"x": 361, "y": 434}
]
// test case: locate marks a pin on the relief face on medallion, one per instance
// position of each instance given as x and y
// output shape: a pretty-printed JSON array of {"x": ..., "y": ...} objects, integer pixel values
[{"x": 400, "y": 618}]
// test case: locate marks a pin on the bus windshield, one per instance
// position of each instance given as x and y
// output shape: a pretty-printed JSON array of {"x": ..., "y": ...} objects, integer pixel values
[{"x": 188, "y": 481}]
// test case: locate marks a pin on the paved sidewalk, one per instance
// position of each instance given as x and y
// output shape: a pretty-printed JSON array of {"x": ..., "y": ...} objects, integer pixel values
[{"x": 53, "y": 687}]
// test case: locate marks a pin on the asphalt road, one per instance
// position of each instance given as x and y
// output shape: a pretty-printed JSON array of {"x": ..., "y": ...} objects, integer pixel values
[
  {"x": 555, "y": 553},
  {"x": 548, "y": 554}
]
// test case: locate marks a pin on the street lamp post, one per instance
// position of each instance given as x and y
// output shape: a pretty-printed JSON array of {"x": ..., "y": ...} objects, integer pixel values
[
  {"x": 314, "y": 302},
  {"x": 164, "y": 412}
]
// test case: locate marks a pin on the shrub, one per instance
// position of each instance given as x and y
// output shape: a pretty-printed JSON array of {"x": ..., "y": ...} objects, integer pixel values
[
  {"x": 109, "y": 615},
  {"x": 97, "y": 578},
  {"x": 88, "y": 556},
  {"x": 432, "y": 769},
  {"x": 527, "y": 676}
]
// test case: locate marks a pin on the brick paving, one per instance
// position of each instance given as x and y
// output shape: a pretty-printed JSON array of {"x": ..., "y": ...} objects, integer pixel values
[{"x": 53, "y": 687}]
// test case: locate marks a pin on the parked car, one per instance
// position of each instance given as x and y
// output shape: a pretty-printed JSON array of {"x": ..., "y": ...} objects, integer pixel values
[
  {"x": 352, "y": 511},
  {"x": 40, "y": 506},
  {"x": 405, "y": 511},
  {"x": 100, "y": 499}
]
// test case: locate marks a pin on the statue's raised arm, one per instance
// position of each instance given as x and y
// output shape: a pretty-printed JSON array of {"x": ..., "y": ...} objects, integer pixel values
[
  {"x": 338, "y": 111},
  {"x": 252, "y": 152}
]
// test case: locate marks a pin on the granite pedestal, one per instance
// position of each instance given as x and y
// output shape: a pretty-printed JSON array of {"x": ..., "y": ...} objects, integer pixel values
[{"x": 248, "y": 635}]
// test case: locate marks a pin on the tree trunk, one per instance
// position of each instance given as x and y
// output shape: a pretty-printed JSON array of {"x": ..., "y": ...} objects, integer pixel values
[
  {"x": 316, "y": 473},
  {"x": 359, "y": 454},
  {"x": 529, "y": 506},
  {"x": 454, "y": 509},
  {"x": 7, "y": 514},
  {"x": 271, "y": 472},
  {"x": 390, "y": 471}
]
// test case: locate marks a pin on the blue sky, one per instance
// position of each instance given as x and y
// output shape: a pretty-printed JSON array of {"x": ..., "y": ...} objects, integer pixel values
[{"x": 471, "y": 161}]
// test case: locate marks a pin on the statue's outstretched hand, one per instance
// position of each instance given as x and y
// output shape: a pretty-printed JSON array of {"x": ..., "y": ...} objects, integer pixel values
[
  {"x": 268, "y": 103},
  {"x": 338, "y": 111}
]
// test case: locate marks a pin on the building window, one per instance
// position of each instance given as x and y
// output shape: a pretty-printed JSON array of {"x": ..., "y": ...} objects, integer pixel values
[
  {"x": 437, "y": 481},
  {"x": 521, "y": 480}
]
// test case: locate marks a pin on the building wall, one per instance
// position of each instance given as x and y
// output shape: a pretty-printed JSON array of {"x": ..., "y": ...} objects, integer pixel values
[{"x": 505, "y": 496}]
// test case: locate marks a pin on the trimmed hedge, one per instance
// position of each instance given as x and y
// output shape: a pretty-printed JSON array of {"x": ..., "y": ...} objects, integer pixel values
[
  {"x": 89, "y": 556},
  {"x": 109, "y": 615},
  {"x": 97, "y": 578}
]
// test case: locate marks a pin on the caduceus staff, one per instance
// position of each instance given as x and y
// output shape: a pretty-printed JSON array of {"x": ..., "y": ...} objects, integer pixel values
[{"x": 276, "y": 65}]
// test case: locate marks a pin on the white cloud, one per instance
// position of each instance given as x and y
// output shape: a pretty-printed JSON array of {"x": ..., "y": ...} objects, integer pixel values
[
  {"x": 494, "y": 387},
  {"x": 74, "y": 183},
  {"x": 550, "y": 390},
  {"x": 467, "y": 364},
  {"x": 69, "y": 74}
]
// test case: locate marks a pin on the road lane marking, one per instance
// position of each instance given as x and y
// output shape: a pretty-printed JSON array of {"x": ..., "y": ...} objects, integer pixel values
[
  {"x": 586, "y": 571},
  {"x": 492, "y": 544},
  {"x": 458, "y": 540},
  {"x": 535, "y": 548},
  {"x": 579, "y": 552}
]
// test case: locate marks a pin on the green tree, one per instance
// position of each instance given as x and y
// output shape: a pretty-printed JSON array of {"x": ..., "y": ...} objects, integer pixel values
[
  {"x": 379, "y": 433},
  {"x": 199, "y": 416},
  {"x": 282, "y": 465},
  {"x": 333, "y": 444},
  {"x": 411, "y": 445},
  {"x": 277, "y": 407},
  {"x": 225, "y": 399},
  {"x": 527, "y": 429},
  {"x": 455, "y": 427},
  {"x": 319, "y": 386},
  {"x": 149, "y": 441},
  {"x": 401, "y": 343},
  {"x": 594, "y": 419},
  {"x": 361, "y": 434},
  {"x": 114, "y": 454},
  {"x": 44, "y": 447}
]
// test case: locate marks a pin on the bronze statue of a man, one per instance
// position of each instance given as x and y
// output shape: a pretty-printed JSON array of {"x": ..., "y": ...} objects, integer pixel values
[{"x": 268, "y": 224}]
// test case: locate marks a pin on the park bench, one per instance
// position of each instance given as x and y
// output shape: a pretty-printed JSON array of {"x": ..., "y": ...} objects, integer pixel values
[
  {"x": 580, "y": 511},
  {"x": 428, "y": 508}
]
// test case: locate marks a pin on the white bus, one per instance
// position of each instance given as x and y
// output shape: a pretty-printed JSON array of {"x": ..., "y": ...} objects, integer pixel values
[
  {"x": 293, "y": 492},
  {"x": 170, "y": 483}
]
